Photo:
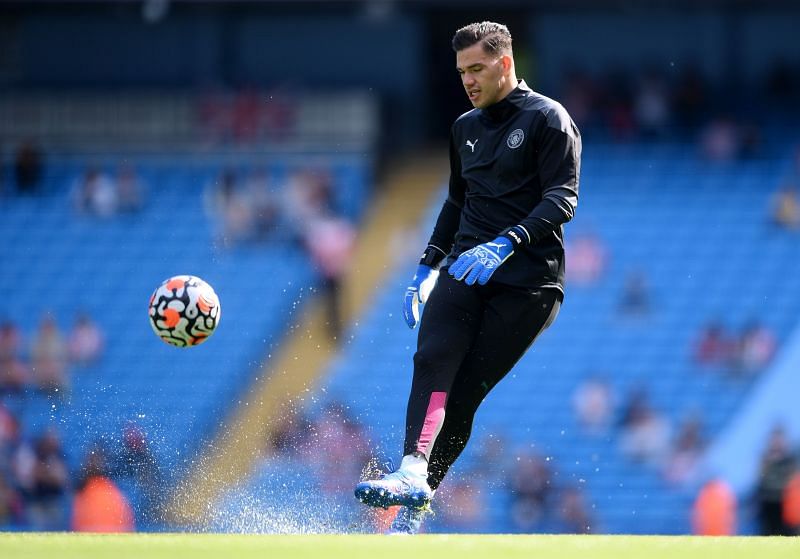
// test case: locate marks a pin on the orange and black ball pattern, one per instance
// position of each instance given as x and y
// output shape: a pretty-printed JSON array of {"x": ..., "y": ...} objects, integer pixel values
[{"x": 184, "y": 311}]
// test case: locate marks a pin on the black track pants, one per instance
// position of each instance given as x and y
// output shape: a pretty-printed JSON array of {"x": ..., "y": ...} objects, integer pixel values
[{"x": 469, "y": 339}]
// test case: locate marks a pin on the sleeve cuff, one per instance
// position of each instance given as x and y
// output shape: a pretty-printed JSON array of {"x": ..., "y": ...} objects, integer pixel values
[{"x": 432, "y": 256}]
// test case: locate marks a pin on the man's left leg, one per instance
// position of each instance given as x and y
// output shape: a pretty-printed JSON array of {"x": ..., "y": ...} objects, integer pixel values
[
  {"x": 512, "y": 322},
  {"x": 447, "y": 331}
]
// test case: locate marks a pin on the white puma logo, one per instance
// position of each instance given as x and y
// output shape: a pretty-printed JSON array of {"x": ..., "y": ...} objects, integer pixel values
[{"x": 471, "y": 145}]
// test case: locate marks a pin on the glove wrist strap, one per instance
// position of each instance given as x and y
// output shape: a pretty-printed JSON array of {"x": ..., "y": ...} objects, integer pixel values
[{"x": 518, "y": 236}]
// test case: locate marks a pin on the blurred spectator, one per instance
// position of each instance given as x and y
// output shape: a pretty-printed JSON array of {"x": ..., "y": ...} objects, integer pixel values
[
  {"x": 333, "y": 448},
  {"x": 28, "y": 168},
  {"x": 645, "y": 432},
  {"x": 714, "y": 510},
  {"x": 380, "y": 520},
  {"x": 328, "y": 238},
  {"x": 786, "y": 208},
  {"x": 617, "y": 104},
  {"x": 214, "y": 117},
  {"x": 249, "y": 116},
  {"x": 690, "y": 98},
  {"x": 279, "y": 113},
  {"x": 94, "y": 193},
  {"x": 721, "y": 140},
  {"x": 635, "y": 300},
  {"x": 50, "y": 484},
  {"x": 777, "y": 467},
  {"x": 135, "y": 459},
  {"x": 99, "y": 505},
  {"x": 85, "y": 341},
  {"x": 791, "y": 504},
  {"x": 491, "y": 460},
  {"x": 9, "y": 436},
  {"x": 246, "y": 116},
  {"x": 11, "y": 507},
  {"x": 579, "y": 96},
  {"x": 593, "y": 405},
  {"x": 530, "y": 485},
  {"x": 14, "y": 375},
  {"x": 230, "y": 209},
  {"x": 339, "y": 447},
  {"x": 8, "y": 428},
  {"x": 291, "y": 437},
  {"x": 23, "y": 460},
  {"x": 463, "y": 506},
  {"x": 715, "y": 346},
  {"x": 49, "y": 354},
  {"x": 331, "y": 242},
  {"x": 137, "y": 462},
  {"x": 686, "y": 451},
  {"x": 95, "y": 463},
  {"x": 308, "y": 196},
  {"x": 266, "y": 209},
  {"x": 11, "y": 503},
  {"x": 10, "y": 340},
  {"x": 572, "y": 513},
  {"x": 755, "y": 349},
  {"x": 629, "y": 104},
  {"x": 652, "y": 106},
  {"x": 130, "y": 189},
  {"x": 587, "y": 259}
]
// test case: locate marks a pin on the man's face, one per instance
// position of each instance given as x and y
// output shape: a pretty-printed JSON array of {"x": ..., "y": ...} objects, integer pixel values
[{"x": 485, "y": 76}]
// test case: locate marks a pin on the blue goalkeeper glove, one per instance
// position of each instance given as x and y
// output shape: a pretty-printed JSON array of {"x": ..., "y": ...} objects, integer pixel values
[
  {"x": 417, "y": 293},
  {"x": 479, "y": 263}
]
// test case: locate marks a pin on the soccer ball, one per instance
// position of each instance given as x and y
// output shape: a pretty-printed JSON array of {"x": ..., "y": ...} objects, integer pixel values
[{"x": 184, "y": 311}]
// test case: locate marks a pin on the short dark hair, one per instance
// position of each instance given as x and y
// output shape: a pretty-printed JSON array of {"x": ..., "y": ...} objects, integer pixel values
[{"x": 495, "y": 37}]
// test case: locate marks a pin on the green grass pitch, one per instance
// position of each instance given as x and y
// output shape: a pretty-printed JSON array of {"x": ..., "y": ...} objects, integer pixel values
[{"x": 225, "y": 546}]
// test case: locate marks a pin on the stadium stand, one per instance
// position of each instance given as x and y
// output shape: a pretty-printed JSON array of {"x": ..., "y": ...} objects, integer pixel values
[{"x": 633, "y": 198}]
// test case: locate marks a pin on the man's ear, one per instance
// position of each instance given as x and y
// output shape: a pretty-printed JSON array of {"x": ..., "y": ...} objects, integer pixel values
[{"x": 507, "y": 62}]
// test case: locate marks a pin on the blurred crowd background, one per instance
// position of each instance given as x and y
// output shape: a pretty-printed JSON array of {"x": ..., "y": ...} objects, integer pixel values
[{"x": 282, "y": 150}]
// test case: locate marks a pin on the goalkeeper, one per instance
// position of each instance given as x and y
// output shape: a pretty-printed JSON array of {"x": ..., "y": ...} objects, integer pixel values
[{"x": 498, "y": 242}]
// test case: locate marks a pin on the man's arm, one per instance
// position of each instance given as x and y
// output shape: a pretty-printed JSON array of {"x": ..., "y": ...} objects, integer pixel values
[{"x": 559, "y": 160}]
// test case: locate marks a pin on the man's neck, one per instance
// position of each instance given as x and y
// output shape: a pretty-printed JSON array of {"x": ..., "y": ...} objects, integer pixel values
[{"x": 513, "y": 82}]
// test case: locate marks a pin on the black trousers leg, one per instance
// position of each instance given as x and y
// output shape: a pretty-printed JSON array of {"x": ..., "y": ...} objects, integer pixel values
[{"x": 449, "y": 326}]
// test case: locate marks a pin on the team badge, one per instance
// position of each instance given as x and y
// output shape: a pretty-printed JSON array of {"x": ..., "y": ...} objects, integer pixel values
[{"x": 516, "y": 138}]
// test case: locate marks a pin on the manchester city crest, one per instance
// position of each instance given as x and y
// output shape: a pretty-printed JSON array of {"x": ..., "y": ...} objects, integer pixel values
[{"x": 516, "y": 138}]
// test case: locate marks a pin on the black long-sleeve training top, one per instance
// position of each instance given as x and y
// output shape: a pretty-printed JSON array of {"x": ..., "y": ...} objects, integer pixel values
[{"x": 514, "y": 170}]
